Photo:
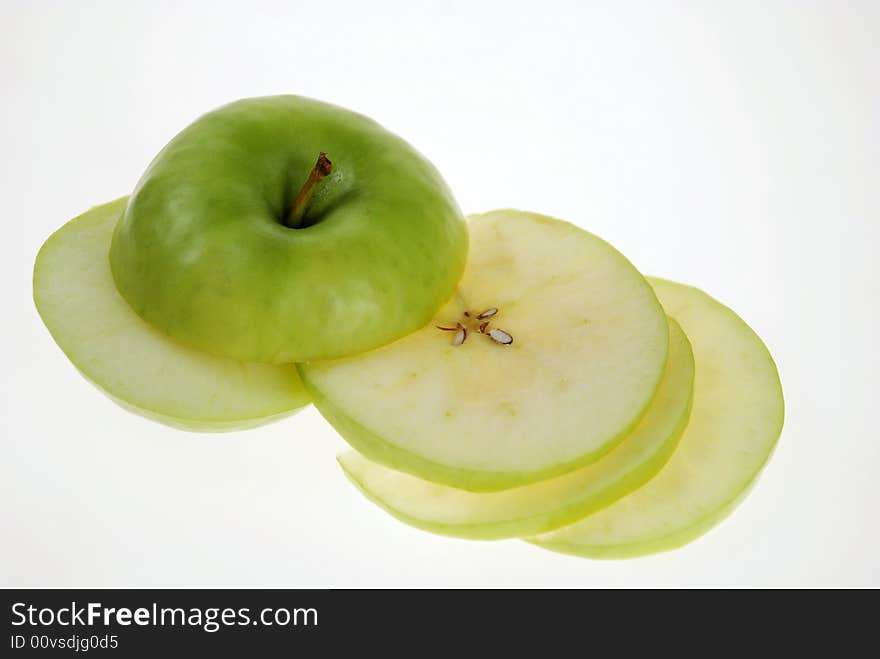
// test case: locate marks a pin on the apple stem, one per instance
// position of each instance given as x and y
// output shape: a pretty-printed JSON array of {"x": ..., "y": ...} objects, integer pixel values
[{"x": 321, "y": 169}]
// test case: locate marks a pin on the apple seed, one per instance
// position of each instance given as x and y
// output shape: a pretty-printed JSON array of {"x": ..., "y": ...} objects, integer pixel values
[
  {"x": 500, "y": 336},
  {"x": 460, "y": 335}
]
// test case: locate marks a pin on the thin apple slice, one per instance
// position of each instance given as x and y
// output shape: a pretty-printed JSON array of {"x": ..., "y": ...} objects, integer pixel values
[
  {"x": 735, "y": 422},
  {"x": 577, "y": 352},
  {"x": 548, "y": 504},
  {"x": 135, "y": 364}
]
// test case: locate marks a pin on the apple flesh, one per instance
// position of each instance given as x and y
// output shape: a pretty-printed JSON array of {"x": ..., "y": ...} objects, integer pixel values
[
  {"x": 588, "y": 347},
  {"x": 135, "y": 364},
  {"x": 548, "y": 504},
  {"x": 205, "y": 254},
  {"x": 736, "y": 420}
]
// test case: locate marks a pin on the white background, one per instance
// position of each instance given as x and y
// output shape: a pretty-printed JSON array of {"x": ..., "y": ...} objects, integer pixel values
[{"x": 731, "y": 145}]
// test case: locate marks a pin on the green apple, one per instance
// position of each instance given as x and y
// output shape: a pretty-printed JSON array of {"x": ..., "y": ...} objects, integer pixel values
[
  {"x": 735, "y": 422},
  {"x": 548, "y": 504},
  {"x": 545, "y": 359},
  {"x": 219, "y": 250},
  {"x": 134, "y": 363}
]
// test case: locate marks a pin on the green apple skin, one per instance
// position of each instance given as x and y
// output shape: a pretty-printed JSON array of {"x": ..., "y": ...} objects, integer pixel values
[
  {"x": 208, "y": 425},
  {"x": 133, "y": 363},
  {"x": 669, "y": 542},
  {"x": 203, "y": 253}
]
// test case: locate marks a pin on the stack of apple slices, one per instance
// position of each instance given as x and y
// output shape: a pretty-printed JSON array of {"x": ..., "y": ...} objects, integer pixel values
[
  {"x": 612, "y": 424},
  {"x": 509, "y": 377}
]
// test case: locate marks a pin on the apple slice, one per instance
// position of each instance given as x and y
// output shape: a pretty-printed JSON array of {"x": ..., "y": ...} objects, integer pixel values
[
  {"x": 736, "y": 419},
  {"x": 556, "y": 346},
  {"x": 548, "y": 504},
  {"x": 135, "y": 364}
]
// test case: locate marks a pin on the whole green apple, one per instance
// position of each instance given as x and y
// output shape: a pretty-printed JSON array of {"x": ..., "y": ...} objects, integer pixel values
[{"x": 233, "y": 244}]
